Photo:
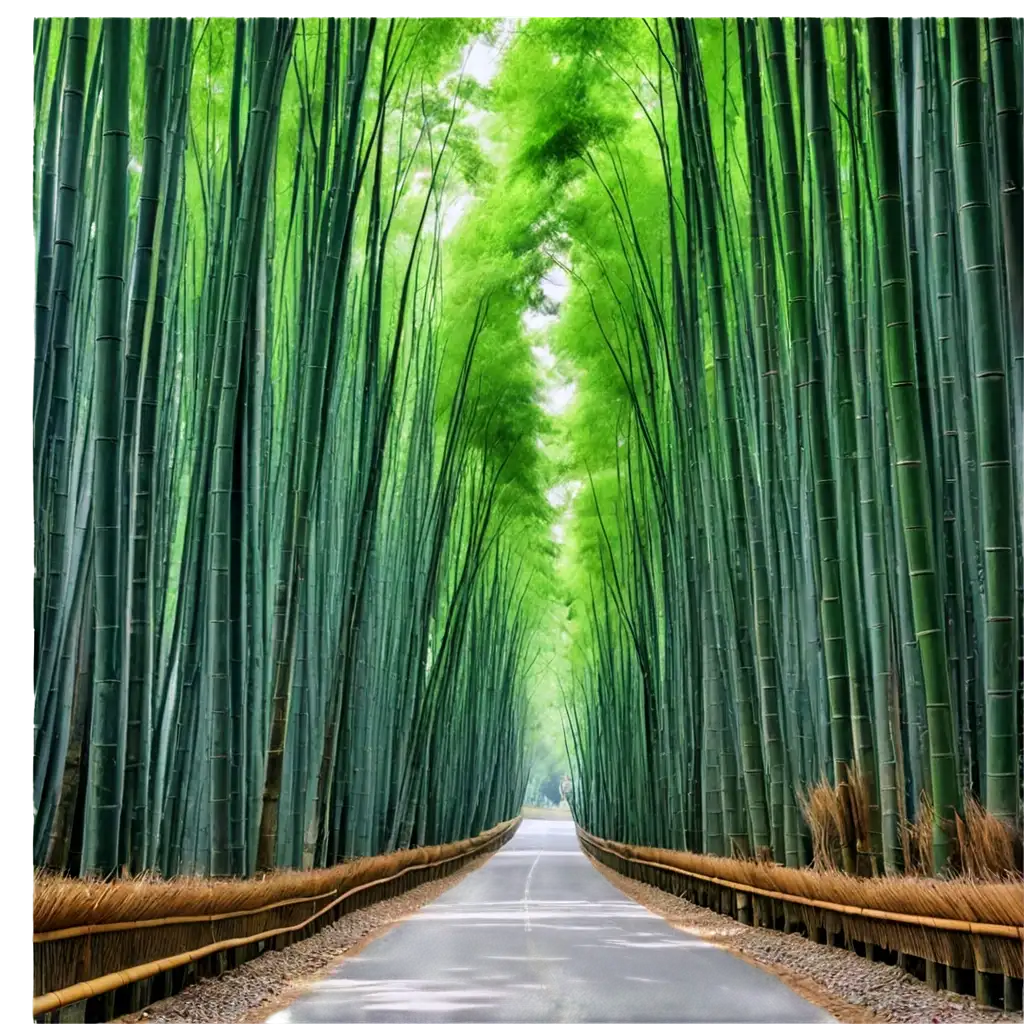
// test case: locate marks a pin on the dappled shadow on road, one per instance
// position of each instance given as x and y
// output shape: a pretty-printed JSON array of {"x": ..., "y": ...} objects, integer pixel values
[{"x": 413, "y": 996}]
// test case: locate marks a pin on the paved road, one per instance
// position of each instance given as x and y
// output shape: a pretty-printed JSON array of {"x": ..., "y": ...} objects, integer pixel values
[{"x": 537, "y": 934}]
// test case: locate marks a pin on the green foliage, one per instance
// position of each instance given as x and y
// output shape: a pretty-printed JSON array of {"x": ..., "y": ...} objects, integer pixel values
[
  {"x": 293, "y": 604},
  {"x": 718, "y": 207},
  {"x": 320, "y": 572}
]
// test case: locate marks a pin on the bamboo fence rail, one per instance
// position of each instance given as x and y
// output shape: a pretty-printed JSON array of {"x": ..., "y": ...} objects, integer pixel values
[{"x": 157, "y": 922}]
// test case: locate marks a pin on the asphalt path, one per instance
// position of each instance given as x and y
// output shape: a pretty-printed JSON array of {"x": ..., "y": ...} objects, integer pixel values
[{"x": 538, "y": 934}]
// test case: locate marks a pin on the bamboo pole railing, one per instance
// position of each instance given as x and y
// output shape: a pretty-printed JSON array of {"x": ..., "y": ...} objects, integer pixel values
[
  {"x": 1002, "y": 931},
  {"x": 162, "y": 922},
  {"x": 84, "y": 990}
]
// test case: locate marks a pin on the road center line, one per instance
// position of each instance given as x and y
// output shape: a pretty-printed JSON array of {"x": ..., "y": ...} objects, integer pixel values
[{"x": 526, "y": 890}]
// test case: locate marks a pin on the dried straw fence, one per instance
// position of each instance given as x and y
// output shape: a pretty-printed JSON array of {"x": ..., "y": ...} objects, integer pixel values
[
  {"x": 107, "y": 948},
  {"x": 959, "y": 934}
]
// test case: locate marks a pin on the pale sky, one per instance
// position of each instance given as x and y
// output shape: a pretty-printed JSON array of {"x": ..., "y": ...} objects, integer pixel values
[
  {"x": 558, "y": 392},
  {"x": 483, "y": 59}
]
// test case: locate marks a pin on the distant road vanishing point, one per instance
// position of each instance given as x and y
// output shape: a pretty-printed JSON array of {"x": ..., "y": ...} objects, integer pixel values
[{"x": 537, "y": 934}]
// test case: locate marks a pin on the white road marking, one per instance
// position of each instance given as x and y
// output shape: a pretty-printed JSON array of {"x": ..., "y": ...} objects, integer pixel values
[{"x": 526, "y": 891}]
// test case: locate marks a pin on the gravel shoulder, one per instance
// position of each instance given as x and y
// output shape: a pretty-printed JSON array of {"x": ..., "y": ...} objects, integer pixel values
[
  {"x": 260, "y": 987},
  {"x": 852, "y": 989}
]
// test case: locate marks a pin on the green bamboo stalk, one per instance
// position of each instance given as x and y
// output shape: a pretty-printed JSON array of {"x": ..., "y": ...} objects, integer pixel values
[
  {"x": 998, "y": 524},
  {"x": 907, "y": 436}
]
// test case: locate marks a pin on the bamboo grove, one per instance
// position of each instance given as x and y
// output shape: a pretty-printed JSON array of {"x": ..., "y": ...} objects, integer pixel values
[
  {"x": 285, "y": 518},
  {"x": 300, "y": 589},
  {"x": 795, "y": 315}
]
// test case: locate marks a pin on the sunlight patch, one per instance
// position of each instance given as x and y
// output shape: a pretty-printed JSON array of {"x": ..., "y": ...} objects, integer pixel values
[{"x": 409, "y": 996}]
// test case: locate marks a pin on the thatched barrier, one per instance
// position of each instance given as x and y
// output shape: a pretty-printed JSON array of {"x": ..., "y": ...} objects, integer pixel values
[
  {"x": 102, "y": 949},
  {"x": 962, "y": 935}
]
